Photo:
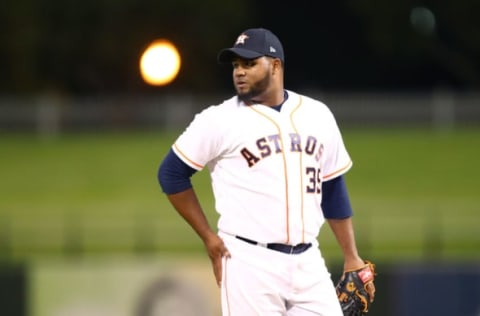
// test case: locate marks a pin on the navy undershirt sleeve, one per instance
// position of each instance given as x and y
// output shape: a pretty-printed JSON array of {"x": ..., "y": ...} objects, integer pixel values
[
  {"x": 174, "y": 175},
  {"x": 335, "y": 200}
]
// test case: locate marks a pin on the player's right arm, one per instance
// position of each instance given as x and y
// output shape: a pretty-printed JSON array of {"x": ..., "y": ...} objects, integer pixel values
[{"x": 174, "y": 178}]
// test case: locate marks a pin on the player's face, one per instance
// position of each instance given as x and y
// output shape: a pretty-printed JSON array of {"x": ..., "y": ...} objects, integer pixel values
[{"x": 251, "y": 78}]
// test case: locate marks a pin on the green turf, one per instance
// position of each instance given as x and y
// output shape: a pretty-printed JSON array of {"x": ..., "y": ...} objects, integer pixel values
[{"x": 415, "y": 195}]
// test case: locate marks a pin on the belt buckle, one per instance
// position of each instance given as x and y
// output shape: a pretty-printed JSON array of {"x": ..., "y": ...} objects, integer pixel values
[{"x": 291, "y": 249}]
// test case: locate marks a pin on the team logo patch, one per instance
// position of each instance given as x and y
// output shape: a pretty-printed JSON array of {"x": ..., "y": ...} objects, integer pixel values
[
  {"x": 366, "y": 275},
  {"x": 241, "y": 39}
]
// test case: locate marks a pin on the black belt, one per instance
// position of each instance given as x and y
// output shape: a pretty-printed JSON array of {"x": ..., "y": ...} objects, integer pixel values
[{"x": 289, "y": 249}]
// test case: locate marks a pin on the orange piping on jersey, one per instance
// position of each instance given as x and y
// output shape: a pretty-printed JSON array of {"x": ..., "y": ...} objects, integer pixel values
[
  {"x": 333, "y": 174},
  {"x": 301, "y": 171},
  {"x": 287, "y": 210},
  {"x": 224, "y": 281},
  {"x": 193, "y": 163}
]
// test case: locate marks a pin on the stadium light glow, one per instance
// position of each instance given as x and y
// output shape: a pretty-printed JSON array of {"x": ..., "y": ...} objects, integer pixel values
[{"x": 160, "y": 63}]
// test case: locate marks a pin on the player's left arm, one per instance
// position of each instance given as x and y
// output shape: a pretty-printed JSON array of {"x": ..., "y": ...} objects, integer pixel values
[
  {"x": 338, "y": 212},
  {"x": 344, "y": 233}
]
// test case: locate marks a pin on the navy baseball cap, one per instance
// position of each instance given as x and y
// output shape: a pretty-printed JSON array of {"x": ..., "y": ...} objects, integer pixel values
[{"x": 251, "y": 44}]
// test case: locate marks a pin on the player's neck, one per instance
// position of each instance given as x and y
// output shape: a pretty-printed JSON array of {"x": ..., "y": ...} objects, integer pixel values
[{"x": 275, "y": 98}]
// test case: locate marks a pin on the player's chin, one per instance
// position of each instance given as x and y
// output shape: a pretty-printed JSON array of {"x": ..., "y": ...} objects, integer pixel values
[{"x": 243, "y": 93}]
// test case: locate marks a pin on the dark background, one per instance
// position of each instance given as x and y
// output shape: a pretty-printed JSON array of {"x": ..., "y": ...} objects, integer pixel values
[{"x": 93, "y": 46}]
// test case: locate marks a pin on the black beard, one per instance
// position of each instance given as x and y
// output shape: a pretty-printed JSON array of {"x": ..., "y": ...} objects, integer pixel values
[{"x": 257, "y": 89}]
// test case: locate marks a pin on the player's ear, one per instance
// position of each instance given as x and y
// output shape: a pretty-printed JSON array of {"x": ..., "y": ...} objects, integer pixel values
[{"x": 276, "y": 64}]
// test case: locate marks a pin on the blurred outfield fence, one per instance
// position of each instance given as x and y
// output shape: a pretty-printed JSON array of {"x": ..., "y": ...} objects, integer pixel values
[{"x": 49, "y": 114}]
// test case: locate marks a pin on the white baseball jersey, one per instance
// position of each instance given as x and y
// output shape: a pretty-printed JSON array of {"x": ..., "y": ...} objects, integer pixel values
[{"x": 267, "y": 166}]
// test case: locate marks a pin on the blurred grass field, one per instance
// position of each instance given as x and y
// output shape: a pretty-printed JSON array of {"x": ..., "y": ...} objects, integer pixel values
[{"x": 415, "y": 193}]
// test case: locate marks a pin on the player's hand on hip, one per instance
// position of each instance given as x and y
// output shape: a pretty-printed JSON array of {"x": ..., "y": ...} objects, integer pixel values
[{"x": 216, "y": 251}]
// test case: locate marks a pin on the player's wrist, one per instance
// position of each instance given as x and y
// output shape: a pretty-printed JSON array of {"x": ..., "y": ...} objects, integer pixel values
[
  {"x": 208, "y": 235},
  {"x": 353, "y": 263}
]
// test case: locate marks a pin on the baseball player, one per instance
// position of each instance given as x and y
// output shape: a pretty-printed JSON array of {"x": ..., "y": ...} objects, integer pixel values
[{"x": 276, "y": 160}]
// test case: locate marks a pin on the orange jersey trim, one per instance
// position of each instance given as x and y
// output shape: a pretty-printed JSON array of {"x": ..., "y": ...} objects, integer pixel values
[
  {"x": 339, "y": 171},
  {"x": 301, "y": 169},
  {"x": 191, "y": 162},
  {"x": 287, "y": 207},
  {"x": 225, "y": 284}
]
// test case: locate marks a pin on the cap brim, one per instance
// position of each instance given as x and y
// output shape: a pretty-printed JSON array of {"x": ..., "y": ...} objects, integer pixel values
[{"x": 228, "y": 54}]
